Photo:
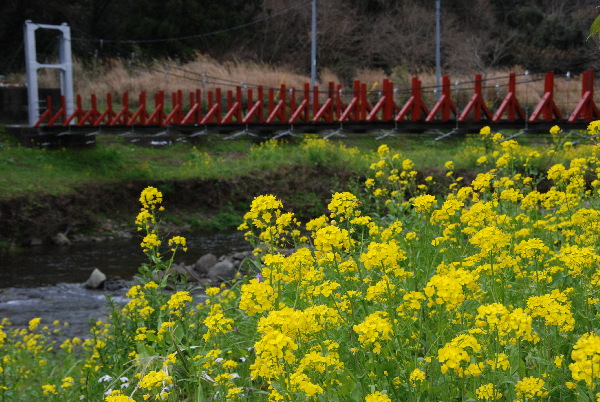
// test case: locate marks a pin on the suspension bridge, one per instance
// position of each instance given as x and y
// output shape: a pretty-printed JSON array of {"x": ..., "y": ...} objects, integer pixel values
[{"x": 277, "y": 112}]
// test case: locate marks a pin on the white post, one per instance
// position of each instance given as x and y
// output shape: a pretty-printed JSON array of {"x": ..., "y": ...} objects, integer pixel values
[
  {"x": 32, "y": 67},
  {"x": 65, "y": 66}
]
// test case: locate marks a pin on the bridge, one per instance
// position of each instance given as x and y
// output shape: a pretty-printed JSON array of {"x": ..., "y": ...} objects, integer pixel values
[{"x": 277, "y": 112}]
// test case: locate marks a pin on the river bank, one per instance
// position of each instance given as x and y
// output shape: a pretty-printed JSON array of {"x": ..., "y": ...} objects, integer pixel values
[
  {"x": 207, "y": 185},
  {"x": 104, "y": 212}
]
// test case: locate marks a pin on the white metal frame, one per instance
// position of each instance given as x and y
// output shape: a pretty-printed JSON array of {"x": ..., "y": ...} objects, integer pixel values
[{"x": 65, "y": 66}]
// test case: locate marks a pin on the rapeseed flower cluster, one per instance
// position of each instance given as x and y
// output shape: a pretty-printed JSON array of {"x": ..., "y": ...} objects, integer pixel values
[{"x": 488, "y": 292}]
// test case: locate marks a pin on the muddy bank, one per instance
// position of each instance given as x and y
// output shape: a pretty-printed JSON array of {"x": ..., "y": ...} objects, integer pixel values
[{"x": 303, "y": 190}]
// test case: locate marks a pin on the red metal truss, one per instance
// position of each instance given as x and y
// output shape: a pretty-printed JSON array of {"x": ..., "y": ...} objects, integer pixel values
[
  {"x": 444, "y": 104},
  {"x": 47, "y": 113},
  {"x": 78, "y": 113},
  {"x": 124, "y": 114},
  {"x": 244, "y": 108},
  {"x": 195, "y": 114},
  {"x": 414, "y": 105},
  {"x": 476, "y": 104},
  {"x": 586, "y": 109},
  {"x": 365, "y": 106},
  {"x": 140, "y": 115},
  {"x": 327, "y": 110},
  {"x": 214, "y": 110},
  {"x": 61, "y": 114},
  {"x": 234, "y": 109},
  {"x": 301, "y": 111},
  {"x": 158, "y": 115},
  {"x": 547, "y": 107},
  {"x": 257, "y": 109},
  {"x": 277, "y": 111},
  {"x": 510, "y": 105},
  {"x": 352, "y": 111},
  {"x": 92, "y": 114},
  {"x": 385, "y": 104},
  {"x": 176, "y": 115},
  {"x": 108, "y": 114}
]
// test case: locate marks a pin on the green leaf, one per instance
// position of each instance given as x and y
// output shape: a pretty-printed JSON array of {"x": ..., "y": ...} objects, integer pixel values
[
  {"x": 595, "y": 27},
  {"x": 356, "y": 394},
  {"x": 145, "y": 351},
  {"x": 151, "y": 337},
  {"x": 347, "y": 387},
  {"x": 178, "y": 332},
  {"x": 522, "y": 368},
  {"x": 199, "y": 394}
]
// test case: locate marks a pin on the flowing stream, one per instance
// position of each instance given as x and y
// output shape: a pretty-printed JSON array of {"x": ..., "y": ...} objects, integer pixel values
[
  {"x": 47, "y": 282},
  {"x": 42, "y": 266}
]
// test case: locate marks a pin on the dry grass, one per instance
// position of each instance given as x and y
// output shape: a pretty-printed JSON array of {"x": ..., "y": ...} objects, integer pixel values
[{"x": 116, "y": 77}]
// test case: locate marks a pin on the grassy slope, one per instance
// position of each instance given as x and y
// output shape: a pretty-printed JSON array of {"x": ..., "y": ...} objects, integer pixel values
[
  {"x": 43, "y": 192},
  {"x": 32, "y": 172}
]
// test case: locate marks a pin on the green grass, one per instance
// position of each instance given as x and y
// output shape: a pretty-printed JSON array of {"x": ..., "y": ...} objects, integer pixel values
[{"x": 31, "y": 171}]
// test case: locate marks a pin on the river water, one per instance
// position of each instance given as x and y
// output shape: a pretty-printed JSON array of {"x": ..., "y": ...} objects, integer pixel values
[
  {"x": 47, "y": 282},
  {"x": 50, "y": 265}
]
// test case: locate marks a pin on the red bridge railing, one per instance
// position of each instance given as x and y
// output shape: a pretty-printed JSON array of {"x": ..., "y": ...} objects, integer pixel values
[{"x": 311, "y": 106}]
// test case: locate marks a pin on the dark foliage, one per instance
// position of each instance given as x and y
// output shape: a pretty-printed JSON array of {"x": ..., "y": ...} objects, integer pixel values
[{"x": 477, "y": 34}]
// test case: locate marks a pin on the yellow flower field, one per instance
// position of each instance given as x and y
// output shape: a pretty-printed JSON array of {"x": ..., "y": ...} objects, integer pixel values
[{"x": 487, "y": 292}]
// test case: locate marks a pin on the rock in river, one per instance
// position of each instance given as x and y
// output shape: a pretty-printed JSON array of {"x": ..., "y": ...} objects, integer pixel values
[
  {"x": 96, "y": 279},
  {"x": 205, "y": 263},
  {"x": 61, "y": 240},
  {"x": 224, "y": 270}
]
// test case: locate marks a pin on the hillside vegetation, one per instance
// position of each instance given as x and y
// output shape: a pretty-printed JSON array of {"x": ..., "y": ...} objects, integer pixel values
[{"x": 352, "y": 34}]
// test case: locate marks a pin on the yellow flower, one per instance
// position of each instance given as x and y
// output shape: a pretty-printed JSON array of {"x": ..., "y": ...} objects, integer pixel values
[
  {"x": 150, "y": 197},
  {"x": 531, "y": 387},
  {"x": 67, "y": 382},
  {"x": 488, "y": 392},
  {"x": 454, "y": 352},
  {"x": 49, "y": 389},
  {"x": 216, "y": 322},
  {"x": 342, "y": 204},
  {"x": 383, "y": 151},
  {"x": 377, "y": 397},
  {"x": 256, "y": 297},
  {"x": 177, "y": 241},
  {"x": 424, "y": 203},
  {"x": 150, "y": 241},
  {"x": 594, "y": 127},
  {"x": 375, "y": 326},
  {"x": 178, "y": 300},
  {"x": 490, "y": 240},
  {"x": 558, "y": 361},
  {"x": 416, "y": 376},
  {"x": 586, "y": 357},
  {"x": 332, "y": 238},
  {"x": 33, "y": 324},
  {"x": 407, "y": 164}
]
